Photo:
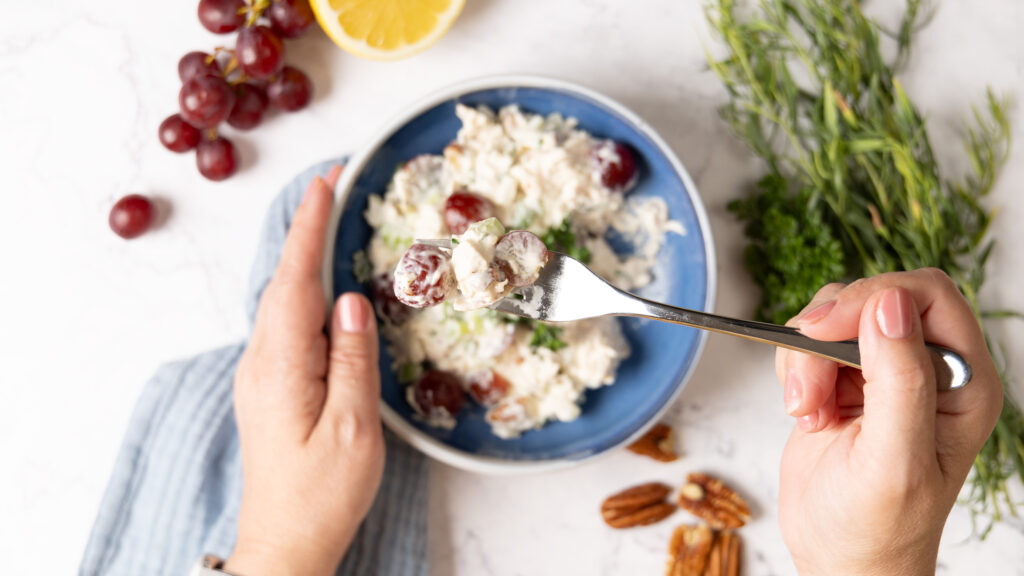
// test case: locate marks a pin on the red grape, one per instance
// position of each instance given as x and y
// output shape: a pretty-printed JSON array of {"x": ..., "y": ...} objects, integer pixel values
[
  {"x": 131, "y": 216},
  {"x": 437, "y": 394},
  {"x": 250, "y": 103},
  {"x": 216, "y": 158},
  {"x": 259, "y": 51},
  {"x": 177, "y": 135},
  {"x": 487, "y": 387},
  {"x": 423, "y": 276},
  {"x": 386, "y": 302},
  {"x": 465, "y": 208},
  {"x": 614, "y": 164},
  {"x": 291, "y": 90},
  {"x": 221, "y": 16},
  {"x": 196, "y": 63},
  {"x": 290, "y": 18},
  {"x": 521, "y": 255},
  {"x": 206, "y": 101}
]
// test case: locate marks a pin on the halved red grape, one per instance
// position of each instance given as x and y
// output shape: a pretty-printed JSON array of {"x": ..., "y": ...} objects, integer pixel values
[
  {"x": 250, "y": 103},
  {"x": 386, "y": 302},
  {"x": 259, "y": 51},
  {"x": 290, "y": 90},
  {"x": 177, "y": 135},
  {"x": 487, "y": 387},
  {"x": 464, "y": 208},
  {"x": 614, "y": 164},
  {"x": 437, "y": 395},
  {"x": 216, "y": 158},
  {"x": 221, "y": 16},
  {"x": 290, "y": 18},
  {"x": 131, "y": 216},
  {"x": 423, "y": 276},
  {"x": 196, "y": 63},
  {"x": 206, "y": 101},
  {"x": 521, "y": 255}
]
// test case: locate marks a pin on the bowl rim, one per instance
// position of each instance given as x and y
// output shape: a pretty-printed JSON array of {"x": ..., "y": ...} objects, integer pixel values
[{"x": 353, "y": 168}]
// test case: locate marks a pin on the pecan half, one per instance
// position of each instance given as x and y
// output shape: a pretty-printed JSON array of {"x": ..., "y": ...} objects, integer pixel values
[
  {"x": 724, "y": 559},
  {"x": 712, "y": 501},
  {"x": 637, "y": 506},
  {"x": 689, "y": 550},
  {"x": 657, "y": 444}
]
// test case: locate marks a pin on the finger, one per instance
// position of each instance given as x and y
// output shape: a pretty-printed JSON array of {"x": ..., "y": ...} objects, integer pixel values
[
  {"x": 332, "y": 176},
  {"x": 353, "y": 375},
  {"x": 825, "y": 295},
  {"x": 807, "y": 380},
  {"x": 303, "y": 253},
  {"x": 899, "y": 381},
  {"x": 946, "y": 318},
  {"x": 810, "y": 381},
  {"x": 819, "y": 419}
]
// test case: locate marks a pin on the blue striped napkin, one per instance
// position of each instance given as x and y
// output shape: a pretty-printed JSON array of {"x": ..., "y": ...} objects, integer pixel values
[{"x": 176, "y": 485}]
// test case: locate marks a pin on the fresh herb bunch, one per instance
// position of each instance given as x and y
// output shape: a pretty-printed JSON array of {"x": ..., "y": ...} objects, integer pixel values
[{"x": 853, "y": 188}]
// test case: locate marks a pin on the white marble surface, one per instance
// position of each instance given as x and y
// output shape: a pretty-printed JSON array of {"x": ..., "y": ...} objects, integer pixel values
[{"x": 86, "y": 317}]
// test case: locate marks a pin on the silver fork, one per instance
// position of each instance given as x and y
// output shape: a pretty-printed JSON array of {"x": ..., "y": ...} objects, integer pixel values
[{"x": 567, "y": 291}]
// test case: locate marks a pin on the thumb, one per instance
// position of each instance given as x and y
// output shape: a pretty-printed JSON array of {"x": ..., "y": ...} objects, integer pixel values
[
  {"x": 353, "y": 376},
  {"x": 899, "y": 381}
]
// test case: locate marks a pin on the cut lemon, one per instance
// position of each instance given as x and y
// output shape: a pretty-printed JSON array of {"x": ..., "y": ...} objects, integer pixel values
[{"x": 386, "y": 29}]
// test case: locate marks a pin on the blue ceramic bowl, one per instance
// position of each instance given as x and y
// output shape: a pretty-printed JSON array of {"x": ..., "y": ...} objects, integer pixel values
[{"x": 663, "y": 355}]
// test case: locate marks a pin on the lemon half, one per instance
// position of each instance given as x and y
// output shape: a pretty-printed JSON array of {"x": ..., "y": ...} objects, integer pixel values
[{"x": 386, "y": 29}]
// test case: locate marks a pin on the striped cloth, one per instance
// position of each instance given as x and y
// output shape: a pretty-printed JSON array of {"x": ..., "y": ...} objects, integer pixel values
[{"x": 176, "y": 485}]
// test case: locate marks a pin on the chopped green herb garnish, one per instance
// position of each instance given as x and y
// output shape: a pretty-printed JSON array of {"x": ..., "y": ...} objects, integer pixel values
[
  {"x": 409, "y": 372},
  {"x": 563, "y": 239},
  {"x": 546, "y": 336},
  {"x": 361, "y": 267},
  {"x": 518, "y": 320}
]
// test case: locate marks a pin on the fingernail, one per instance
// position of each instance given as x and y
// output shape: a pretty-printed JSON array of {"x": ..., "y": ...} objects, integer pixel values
[
  {"x": 794, "y": 392},
  {"x": 333, "y": 175},
  {"x": 316, "y": 183},
  {"x": 818, "y": 312},
  {"x": 354, "y": 314},
  {"x": 893, "y": 314},
  {"x": 808, "y": 423}
]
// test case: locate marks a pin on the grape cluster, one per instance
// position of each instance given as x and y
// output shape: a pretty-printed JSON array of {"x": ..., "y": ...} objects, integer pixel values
[{"x": 237, "y": 86}]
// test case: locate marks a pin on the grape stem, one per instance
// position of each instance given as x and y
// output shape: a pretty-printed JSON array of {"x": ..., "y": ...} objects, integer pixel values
[
  {"x": 230, "y": 67},
  {"x": 253, "y": 9}
]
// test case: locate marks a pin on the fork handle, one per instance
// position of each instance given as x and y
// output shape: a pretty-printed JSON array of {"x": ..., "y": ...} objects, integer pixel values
[{"x": 951, "y": 370}]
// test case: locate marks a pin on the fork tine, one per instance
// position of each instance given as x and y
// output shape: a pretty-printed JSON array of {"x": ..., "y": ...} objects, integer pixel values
[{"x": 513, "y": 306}]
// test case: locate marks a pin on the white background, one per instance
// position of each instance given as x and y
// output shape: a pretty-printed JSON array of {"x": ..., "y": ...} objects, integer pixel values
[{"x": 85, "y": 317}]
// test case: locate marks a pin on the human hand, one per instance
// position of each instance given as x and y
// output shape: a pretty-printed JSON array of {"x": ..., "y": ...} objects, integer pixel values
[
  {"x": 878, "y": 457},
  {"x": 307, "y": 412}
]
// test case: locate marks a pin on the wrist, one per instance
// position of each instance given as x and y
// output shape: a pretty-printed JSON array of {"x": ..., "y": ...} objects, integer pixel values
[
  {"x": 260, "y": 559},
  {"x": 903, "y": 563}
]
